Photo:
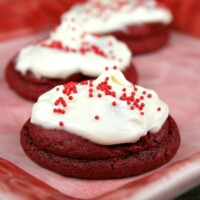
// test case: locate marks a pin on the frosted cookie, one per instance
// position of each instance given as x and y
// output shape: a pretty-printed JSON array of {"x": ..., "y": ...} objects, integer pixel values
[
  {"x": 69, "y": 54},
  {"x": 106, "y": 128},
  {"x": 142, "y": 24}
]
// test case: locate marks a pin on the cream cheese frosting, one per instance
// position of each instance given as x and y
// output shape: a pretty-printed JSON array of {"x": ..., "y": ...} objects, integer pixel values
[
  {"x": 107, "y": 111},
  {"x": 103, "y": 16},
  {"x": 70, "y": 50}
]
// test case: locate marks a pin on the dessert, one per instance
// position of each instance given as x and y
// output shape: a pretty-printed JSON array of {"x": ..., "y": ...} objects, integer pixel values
[
  {"x": 100, "y": 129},
  {"x": 69, "y": 54},
  {"x": 142, "y": 24}
]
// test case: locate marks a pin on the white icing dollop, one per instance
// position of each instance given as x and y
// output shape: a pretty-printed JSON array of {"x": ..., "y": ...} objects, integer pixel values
[
  {"x": 103, "y": 111},
  {"x": 103, "y": 16},
  {"x": 79, "y": 53}
]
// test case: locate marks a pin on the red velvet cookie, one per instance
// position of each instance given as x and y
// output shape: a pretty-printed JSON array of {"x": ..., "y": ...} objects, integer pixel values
[
  {"x": 71, "y": 155},
  {"x": 68, "y": 54},
  {"x": 143, "y": 25}
]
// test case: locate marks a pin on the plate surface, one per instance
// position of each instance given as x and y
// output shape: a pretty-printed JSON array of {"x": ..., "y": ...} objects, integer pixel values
[{"x": 172, "y": 71}]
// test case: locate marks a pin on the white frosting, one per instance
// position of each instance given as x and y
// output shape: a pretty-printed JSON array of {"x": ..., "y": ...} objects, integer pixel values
[
  {"x": 44, "y": 61},
  {"x": 116, "y": 124},
  {"x": 103, "y": 16}
]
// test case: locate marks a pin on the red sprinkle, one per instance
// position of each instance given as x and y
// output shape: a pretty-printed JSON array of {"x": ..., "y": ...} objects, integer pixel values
[
  {"x": 90, "y": 90},
  {"x": 107, "y": 78},
  {"x": 114, "y": 103},
  {"x": 141, "y": 97},
  {"x": 106, "y": 68},
  {"x": 149, "y": 95},
  {"x": 90, "y": 95},
  {"x": 135, "y": 88},
  {"x": 144, "y": 92},
  {"x": 124, "y": 89},
  {"x": 61, "y": 123},
  {"x": 158, "y": 109},
  {"x": 99, "y": 95},
  {"x": 96, "y": 117},
  {"x": 142, "y": 113},
  {"x": 114, "y": 67},
  {"x": 70, "y": 98}
]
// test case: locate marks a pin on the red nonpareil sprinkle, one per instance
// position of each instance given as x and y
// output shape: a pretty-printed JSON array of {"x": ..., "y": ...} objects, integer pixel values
[
  {"x": 124, "y": 95},
  {"x": 90, "y": 95},
  {"x": 132, "y": 107},
  {"x": 90, "y": 90},
  {"x": 99, "y": 95},
  {"x": 113, "y": 94},
  {"x": 136, "y": 104},
  {"x": 57, "y": 89},
  {"x": 114, "y": 103},
  {"x": 109, "y": 87},
  {"x": 142, "y": 105},
  {"x": 149, "y": 95},
  {"x": 141, "y": 97},
  {"x": 124, "y": 90},
  {"x": 83, "y": 50},
  {"x": 140, "y": 108},
  {"x": 158, "y": 109},
  {"x": 106, "y": 68},
  {"x": 144, "y": 92},
  {"x": 107, "y": 78},
  {"x": 70, "y": 98},
  {"x": 135, "y": 88},
  {"x": 132, "y": 93},
  {"x": 128, "y": 102},
  {"x": 142, "y": 113},
  {"x": 114, "y": 67},
  {"x": 61, "y": 123},
  {"x": 96, "y": 117}
]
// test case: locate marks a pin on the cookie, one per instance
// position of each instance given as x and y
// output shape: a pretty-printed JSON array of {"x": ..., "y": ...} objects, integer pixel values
[
  {"x": 143, "y": 25},
  {"x": 68, "y": 54},
  {"x": 102, "y": 128}
]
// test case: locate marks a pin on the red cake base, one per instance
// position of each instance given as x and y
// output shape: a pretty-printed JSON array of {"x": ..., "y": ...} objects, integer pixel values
[{"x": 71, "y": 155}]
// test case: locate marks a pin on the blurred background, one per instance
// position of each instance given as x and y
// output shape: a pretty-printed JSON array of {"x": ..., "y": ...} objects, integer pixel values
[{"x": 20, "y": 17}]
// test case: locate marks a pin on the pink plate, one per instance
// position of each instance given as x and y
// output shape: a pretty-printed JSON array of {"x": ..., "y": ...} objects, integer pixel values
[{"x": 172, "y": 71}]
